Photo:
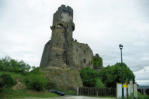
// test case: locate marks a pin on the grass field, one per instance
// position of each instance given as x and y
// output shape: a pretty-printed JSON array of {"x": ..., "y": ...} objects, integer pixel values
[
  {"x": 11, "y": 94},
  {"x": 140, "y": 96}
]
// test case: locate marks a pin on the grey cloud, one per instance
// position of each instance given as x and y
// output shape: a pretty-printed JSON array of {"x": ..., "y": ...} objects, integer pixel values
[
  {"x": 142, "y": 74},
  {"x": 143, "y": 7}
]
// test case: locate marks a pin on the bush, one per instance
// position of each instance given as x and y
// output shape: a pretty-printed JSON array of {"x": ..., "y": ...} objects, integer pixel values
[
  {"x": 99, "y": 84},
  {"x": 110, "y": 75},
  {"x": 35, "y": 70},
  {"x": 89, "y": 77},
  {"x": 6, "y": 81},
  {"x": 12, "y": 65},
  {"x": 36, "y": 81},
  {"x": 22, "y": 94},
  {"x": 97, "y": 61},
  {"x": 140, "y": 96}
]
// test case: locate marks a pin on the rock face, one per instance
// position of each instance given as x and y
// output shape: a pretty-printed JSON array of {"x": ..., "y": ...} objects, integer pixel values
[
  {"x": 64, "y": 78},
  {"x": 62, "y": 50}
]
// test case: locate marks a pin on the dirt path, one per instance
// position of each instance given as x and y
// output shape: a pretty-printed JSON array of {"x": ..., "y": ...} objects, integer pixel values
[{"x": 71, "y": 97}]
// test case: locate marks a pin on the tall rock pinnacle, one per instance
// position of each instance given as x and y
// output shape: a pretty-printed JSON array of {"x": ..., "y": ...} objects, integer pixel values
[{"x": 62, "y": 50}]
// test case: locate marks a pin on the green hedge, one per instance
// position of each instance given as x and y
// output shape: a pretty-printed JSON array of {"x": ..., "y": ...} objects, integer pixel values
[
  {"x": 6, "y": 81},
  {"x": 36, "y": 80}
]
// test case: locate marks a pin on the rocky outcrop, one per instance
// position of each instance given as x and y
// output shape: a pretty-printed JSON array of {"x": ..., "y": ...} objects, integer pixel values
[
  {"x": 63, "y": 78},
  {"x": 63, "y": 56},
  {"x": 62, "y": 50},
  {"x": 19, "y": 85}
]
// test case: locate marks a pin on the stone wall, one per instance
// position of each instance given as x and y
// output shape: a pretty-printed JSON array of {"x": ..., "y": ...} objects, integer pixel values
[{"x": 82, "y": 55}]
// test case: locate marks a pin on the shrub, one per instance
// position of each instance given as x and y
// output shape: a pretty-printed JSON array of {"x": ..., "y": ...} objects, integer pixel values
[
  {"x": 99, "y": 84},
  {"x": 36, "y": 81},
  {"x": 6, "y": 81},
  {"x": 140, "y": 96},
  {"x": 12, "y": 65},
  {"x": 110, "y": 75},
  {"x": 35, "y": 70},
  {"x": 89, "y": 77},
  {"x": 97, "y": 61}
]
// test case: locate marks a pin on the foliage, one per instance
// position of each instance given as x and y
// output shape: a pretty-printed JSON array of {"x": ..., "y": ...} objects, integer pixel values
[
  {"x": 12, "y": 94},
  {"x": 99, "y": 84},
  {"x": 13, "y": 75},
  {"x": 12, "y": 65},
  {"x": 97, "y": 61},
  {"x": 140, "y": 96},
  {"x": 35, "y": 70},
  {"x": 107, "y": 77},
  {"x": 89, "y": 77},
  {"x": 36, "y": 80},
  {"x": 110, "y": 75},
  {"x": 6, "y": 81}
]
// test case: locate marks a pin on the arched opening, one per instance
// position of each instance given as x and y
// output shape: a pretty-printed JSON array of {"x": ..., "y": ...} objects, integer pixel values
[
  {"x": 60, "y": 25},
  {"x": 73, "y": 28}
]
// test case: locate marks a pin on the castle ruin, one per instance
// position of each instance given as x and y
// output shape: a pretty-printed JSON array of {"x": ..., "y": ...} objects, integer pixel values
[{"x": 62, "y": 49}]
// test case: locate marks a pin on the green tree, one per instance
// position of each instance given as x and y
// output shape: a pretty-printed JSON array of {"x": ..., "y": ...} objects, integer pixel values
[
  {"x": 12, "y": 65},
  {"x": 6, "y": 81},
  {"x": 36, "y": 80},
  {"x": 110, "y": 75},
  {"x": 88, "y": 76},
  {"x": 97, "y": 61},
  {"x": 99, "y": 84}
]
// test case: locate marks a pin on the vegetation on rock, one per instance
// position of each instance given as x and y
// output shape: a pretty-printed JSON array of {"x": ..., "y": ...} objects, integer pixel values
[
  {"x": 6, "y": 81},
  {"x": 13, "y": 73},
  {"x": 97, "y": 61},
  {"x": 36, "y": 80}
]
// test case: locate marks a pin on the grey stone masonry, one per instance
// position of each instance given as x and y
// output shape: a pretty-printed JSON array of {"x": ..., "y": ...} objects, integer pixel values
[{"x": 62, "y": 50}]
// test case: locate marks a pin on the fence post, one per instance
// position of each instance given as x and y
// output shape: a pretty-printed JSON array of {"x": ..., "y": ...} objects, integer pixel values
[
  {"x": 77, "y": 91},
  {"x": 96, "y": 91}
]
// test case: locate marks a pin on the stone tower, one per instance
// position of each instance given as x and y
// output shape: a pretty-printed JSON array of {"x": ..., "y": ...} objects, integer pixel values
[{"x": 62, "y": 50}]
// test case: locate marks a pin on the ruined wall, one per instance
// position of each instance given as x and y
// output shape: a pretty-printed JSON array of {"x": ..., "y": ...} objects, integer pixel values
[
  {"x": 82, "y": 55},
  {"x": 62, "y": 50}
]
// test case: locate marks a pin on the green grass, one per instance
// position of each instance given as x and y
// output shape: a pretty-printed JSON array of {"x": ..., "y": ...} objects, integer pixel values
[
  {"x": 13, "y": 74},
  {"x": 11, "y": 94},
  {"x": 140, "y": 96},
  {"x": 103, "y": 96}
]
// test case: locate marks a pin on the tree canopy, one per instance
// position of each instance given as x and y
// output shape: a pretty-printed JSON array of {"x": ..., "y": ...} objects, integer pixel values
[
  {"x": 110, "y": 75},
  {"x": 107, "y": 77},
  {"x": 97, "y": 61},
  {"x": 12, "y": 65},
  {"x": 90, "y": 78}
]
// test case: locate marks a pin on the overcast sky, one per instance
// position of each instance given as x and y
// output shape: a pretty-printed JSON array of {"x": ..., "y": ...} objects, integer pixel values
[{"x": 102, "y": 24}]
